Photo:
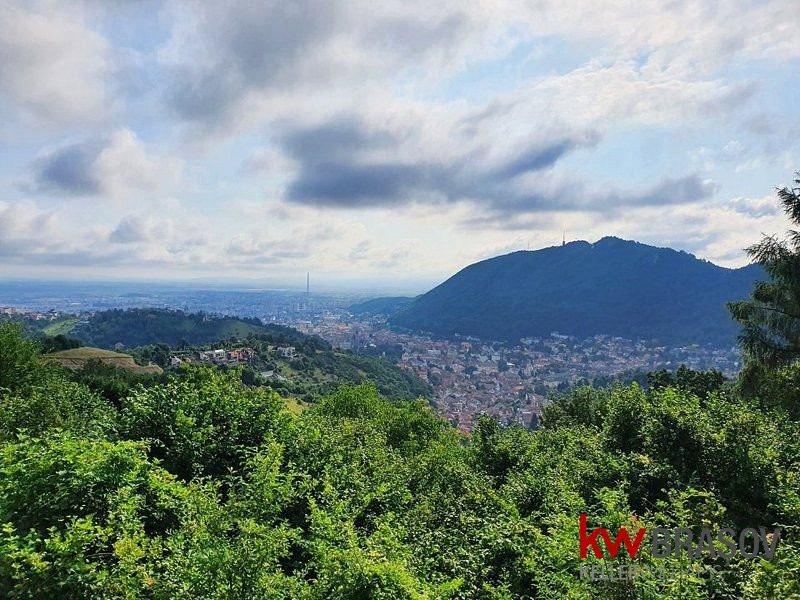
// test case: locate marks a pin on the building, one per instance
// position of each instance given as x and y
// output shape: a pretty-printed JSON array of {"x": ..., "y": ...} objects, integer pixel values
[{"x": 287, "y": 351}]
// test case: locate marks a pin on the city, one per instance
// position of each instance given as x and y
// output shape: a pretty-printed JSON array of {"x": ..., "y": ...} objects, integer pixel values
[
  {"x": 469, "y": 377},
  {"x": 509, "y": 382}
]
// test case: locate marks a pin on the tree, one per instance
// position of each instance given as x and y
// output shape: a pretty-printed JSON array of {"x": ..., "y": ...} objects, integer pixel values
[
  {"x": 18, "y": 357},
  {"x": 700, "y": 383},
  {"x": 58, "y": 343},
  {"x": 770, "y": 318}
]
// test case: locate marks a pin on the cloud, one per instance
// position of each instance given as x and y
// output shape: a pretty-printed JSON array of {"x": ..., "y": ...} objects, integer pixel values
[
  {"x": 359, "y": 136},
  {"x": 220, "y": 54},
  {"x": 134, "y": 228},
  {"x": 347, "y": 163},
  {"x": 343, "y": 164},
  {"x": 755, "y": 207},
  {"x": 70, "y": 170},
  {"x": 21, "y": 220},
  {"x": 238, "y": 63},
  {"x": 537, "y": 158},
  {"x": 111, "y": 166},
  {"x": 53, "y": 68}
]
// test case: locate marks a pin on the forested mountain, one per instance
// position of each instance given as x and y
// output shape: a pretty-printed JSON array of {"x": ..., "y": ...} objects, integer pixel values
[
  {"x": 612, "y": 287},
  {"x": 388, "y": 305}
]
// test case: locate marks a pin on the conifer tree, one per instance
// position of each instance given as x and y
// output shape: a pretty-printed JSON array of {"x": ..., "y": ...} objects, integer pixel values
[{"x": 770, "y": 318}]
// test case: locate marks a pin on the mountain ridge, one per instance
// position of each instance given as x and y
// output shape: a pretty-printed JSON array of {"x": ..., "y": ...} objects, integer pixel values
[{"x": 613, "y": 286}]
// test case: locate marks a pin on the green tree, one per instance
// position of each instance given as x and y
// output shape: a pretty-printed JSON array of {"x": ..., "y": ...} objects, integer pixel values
[
  {"x": 203, "y": 422},
  {"x": 770, "y": 318},
  {"x": 18, "y": 357}
]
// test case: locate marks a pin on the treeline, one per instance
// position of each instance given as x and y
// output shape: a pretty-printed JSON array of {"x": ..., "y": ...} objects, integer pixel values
[{"x": 135, "y": 327}]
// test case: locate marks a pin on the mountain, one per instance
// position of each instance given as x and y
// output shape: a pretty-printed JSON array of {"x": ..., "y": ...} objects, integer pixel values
[
  {"x": 614, "y": 287},
  {"x": 387, "y": 305}
]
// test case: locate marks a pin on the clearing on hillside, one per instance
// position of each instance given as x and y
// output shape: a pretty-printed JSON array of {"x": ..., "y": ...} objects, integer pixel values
[{"x": 76, "y": 358}]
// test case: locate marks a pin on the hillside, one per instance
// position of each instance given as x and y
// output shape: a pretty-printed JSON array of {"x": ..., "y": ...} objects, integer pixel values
[
  {"x": 613, "y": 287},
  {"x": 77, "y": 358},
  {"x": 388, "y": 305},
  {"x": 145, "y": 326},
  {"x": 314, "y": 374}
]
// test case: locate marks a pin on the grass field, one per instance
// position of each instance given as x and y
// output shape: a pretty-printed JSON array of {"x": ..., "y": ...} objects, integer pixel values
[
  {"x": 62, "y": 327},
  {"x": 293, "y": 406},
  {"x": 76, "y": 358}
]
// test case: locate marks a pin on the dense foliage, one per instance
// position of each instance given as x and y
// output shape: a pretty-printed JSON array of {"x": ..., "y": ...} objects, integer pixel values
[
  {"x": 314, "y": 374},
  {"x": 144, "y": 326},
  {"x": 201, "y": 487},
  {"x": 770, "y": 318},
  {"x": 612, "y": 287},
  {"x": 57, "y": 343}
]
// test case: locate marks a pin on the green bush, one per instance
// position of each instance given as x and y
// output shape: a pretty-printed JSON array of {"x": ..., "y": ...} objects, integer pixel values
[{"x": 203, "y": 423}]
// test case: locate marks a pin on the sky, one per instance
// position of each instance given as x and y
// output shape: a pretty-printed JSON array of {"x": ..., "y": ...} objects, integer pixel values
[{"x": 385, "y": 140}]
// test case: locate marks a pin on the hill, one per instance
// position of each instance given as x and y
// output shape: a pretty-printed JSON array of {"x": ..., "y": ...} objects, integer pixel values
[
  {"x": 77, "y": 358},
  {"x": 381, "y": 306},
  {"x": 614, "y": 287},
  {"x": 144, "y": 326}
]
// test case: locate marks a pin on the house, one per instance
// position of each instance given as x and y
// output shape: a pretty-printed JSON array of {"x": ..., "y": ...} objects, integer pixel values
[
  {"x": 287, "y": 351},
  {"x": 240, "y": 355}
]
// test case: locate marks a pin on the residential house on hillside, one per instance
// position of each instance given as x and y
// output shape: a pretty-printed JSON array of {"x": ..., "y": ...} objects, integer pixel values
[{"x": 287, "y": 351}]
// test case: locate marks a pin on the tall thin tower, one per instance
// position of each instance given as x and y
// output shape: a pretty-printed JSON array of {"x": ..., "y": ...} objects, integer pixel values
[
  {"x": 564, "y": 238},
  {"x": 308, "y": 284}
]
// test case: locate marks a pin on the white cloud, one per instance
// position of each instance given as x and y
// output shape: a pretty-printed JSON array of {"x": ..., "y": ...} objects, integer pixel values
[
  {"x": 125, "y": 165},
  {"x": 114, "y": 166},
  {"x": 53, "y": 68}
]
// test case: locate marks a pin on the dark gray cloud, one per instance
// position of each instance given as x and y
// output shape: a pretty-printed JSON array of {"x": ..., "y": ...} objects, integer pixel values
[
  {"x": 335, "y": 168},
  {"x": 536, "y": 159},
  {"x": 339, "y": 138},
  {"x": 670, "y": 192},
  {"x": 128, "y": 231},
  {"x": 577, "y": 197},
  {"x": 247, "y": 46},
  {"x": 69, "y": 170},
  {"x": 343, "y": 184},
  {"x": 342, "y": 163},
  {"x": 111, "y": 165},
  {"x": 754, "y": 207}
]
